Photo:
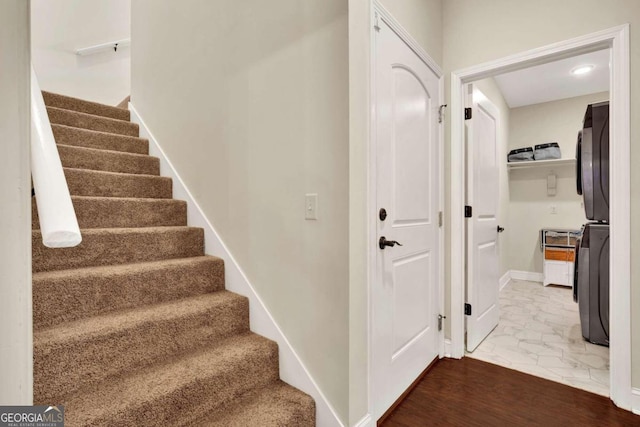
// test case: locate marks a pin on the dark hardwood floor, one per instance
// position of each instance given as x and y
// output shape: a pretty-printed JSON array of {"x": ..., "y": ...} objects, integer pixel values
[{"x": 470, "y": 392}]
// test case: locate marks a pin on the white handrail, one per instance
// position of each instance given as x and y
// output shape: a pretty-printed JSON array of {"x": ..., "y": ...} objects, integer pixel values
[
  {"x": 58, "y": 222},
  {"x": 114, "y": 45}
]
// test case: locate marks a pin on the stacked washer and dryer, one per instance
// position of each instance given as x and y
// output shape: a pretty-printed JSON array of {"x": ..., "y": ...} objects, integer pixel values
[{"x": 591, "y": 274}]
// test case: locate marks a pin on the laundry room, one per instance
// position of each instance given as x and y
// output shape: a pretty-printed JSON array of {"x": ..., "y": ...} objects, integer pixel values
[{"x": 540, "y": 114}]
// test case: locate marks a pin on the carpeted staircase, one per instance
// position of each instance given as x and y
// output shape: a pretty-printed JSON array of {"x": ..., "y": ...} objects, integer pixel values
[{"x": 134, "y": 327}]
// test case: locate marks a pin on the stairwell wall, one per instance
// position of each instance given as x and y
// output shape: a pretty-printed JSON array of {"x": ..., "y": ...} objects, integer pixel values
[
  {"x": 62, "y": 26},
  {"x": 479, "y": 31},
  {"x": 249, "y": 100},
  {"x": 16, "y": 336}
]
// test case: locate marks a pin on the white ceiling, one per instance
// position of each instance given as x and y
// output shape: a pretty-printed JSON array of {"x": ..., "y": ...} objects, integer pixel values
[{"x": 554, "y": 81}]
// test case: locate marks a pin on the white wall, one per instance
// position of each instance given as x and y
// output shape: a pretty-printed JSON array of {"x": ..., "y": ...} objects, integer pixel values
[
  {"x": 60, "y": 27},
  {"x": 250, "y": 101},
  {"x": 16, "y": 347},
  {"x": 479, "y": 31},
  {"x": 529, "y": 204}
]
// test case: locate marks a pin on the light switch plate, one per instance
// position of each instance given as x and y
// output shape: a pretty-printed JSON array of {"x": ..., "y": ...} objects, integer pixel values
[{"x": 311, "y": 206}]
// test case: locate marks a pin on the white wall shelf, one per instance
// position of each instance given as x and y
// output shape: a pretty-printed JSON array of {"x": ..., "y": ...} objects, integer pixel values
[{"x": 541, "y": 164}]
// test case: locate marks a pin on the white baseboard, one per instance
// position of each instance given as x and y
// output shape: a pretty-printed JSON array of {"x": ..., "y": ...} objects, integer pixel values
[
  {"x": 366, "y": 421},
  {"x": 292, "y": 370},
  {"x": 635, "y": 400},
  {"x": 447, "y": 348},
  {"x": 529, "y": 276},
  {"x": 505, "y": 279}
]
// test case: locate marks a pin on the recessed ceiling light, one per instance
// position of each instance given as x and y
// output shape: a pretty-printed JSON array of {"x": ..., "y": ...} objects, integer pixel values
[{"x": 583, "y": 69}]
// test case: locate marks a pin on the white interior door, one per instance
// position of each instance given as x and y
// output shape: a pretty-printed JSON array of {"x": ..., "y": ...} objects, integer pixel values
[
  {"x": 405, "y": 290},
  {"x": 482, "y": 228}
]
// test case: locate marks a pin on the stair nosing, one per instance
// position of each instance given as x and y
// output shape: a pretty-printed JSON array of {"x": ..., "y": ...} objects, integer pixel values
[
  {"x": 142, "y": 199},
  {"x": 113, "y": 268},
  {"x": 110, "y": 323},
  {"x": 85, "y": 102},
  {"x": 114, "y": 152},
  {"x": 92, "y": 116},
  {"x": 137, "y": 230},
  {"x": 117, "y": 135},
  {"x": 118, "y": 173}
]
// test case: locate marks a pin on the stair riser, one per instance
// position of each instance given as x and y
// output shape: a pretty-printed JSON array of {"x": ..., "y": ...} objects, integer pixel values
[
  {"x": 68, "y": 103},
  {"x": 105, "y": 184},
  {"x": 118, "y": 248},
  {"x": 88, "y": 121},
  {"x": 104, "y": 141},
  {"x": 123, "y": 213},
  {"x": 63, "y": 297},
  {"x": 110, "y": 161},
  {"x": 63, "y": 368},
  {"x": 199, "y": 398}
]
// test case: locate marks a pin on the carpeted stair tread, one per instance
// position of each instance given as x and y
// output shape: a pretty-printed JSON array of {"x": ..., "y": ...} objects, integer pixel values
[
  {"x": 77, "y": 354},
  {"x": 69, "y": 295},
  {"x": 83, "y": 182},
  {"x": 75, "y": 104},
  {"x": 119, "y": 212},
  {"x": 68, "y": 135},
  {"x": 180, "y": 391},
  {"x": 276, "y": 405},
  {"x": 109, "y": 246},
  {"x": 106, "y": 160},
  {"x": 77, "y": 119}
]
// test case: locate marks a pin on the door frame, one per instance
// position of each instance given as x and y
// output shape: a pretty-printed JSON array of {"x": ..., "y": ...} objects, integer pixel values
[
  {"x": 378, "y": 12},
  {"x": 617, "y": 39}
]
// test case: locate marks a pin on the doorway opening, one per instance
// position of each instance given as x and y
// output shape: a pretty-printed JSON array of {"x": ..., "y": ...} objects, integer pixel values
[
  {"x": 536, "y": 327},
  {"x": 615, "y": 41}
]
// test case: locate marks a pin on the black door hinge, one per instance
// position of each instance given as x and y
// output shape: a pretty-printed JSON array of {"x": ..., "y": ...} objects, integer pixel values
[
  {"x": 467, "y": 309},
  {"x": 468, "y": 211},
  {"x": 467, "y": 113}
]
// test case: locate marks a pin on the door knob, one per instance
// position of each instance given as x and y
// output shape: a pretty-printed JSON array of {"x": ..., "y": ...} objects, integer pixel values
[
  {"x": 384, "y": 242},
  {"x": 500, "y": 229}
]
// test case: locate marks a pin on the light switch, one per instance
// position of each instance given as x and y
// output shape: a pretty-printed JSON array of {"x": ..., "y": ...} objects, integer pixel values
[
  {"x": 553, "y": 209},
  {"x": 311, "y": 206}
]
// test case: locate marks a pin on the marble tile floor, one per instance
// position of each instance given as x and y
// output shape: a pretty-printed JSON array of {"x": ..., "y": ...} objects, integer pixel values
[{"x": 539, "y": 333}]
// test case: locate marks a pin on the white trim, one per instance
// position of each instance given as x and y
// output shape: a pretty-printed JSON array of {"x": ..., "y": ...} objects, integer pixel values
[
  {"x": 617, "y": 39},
  {"x": 379, "y": 12},
  {"x": 447, "y": 348},
  {"x": 505, "y": 279},
  {"x": 394, "y": 24},
  {"x": 441, "y": 246},
  {"x": 620, "y": 215},
  {"x": 292, "y": 369},
  {"x": 366, "y": 421},
  {"x": 529, "y": 276},
  {"x": 635, "y": 400}
]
